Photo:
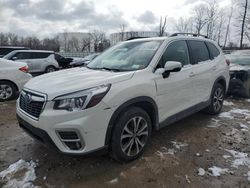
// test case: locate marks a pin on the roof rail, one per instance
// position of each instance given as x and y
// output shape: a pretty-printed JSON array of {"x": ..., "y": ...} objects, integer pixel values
[
  {"x": 132, "y": 38},
  {"x": 192, "y": 34}
]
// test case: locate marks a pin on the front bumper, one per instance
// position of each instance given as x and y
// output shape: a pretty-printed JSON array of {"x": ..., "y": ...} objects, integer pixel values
[{"x": 91, "y": 126}]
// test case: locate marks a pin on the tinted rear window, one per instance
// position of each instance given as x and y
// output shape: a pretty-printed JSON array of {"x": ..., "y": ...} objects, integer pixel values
[
  {"x": 199, "y": 51},
  {"x": 214, "y": 52}
]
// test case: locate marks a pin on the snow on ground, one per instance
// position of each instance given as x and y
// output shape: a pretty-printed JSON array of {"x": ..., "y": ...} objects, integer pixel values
[
  {"x": 214, "y": 123},
  {"x": 235, "y": 112},
  {"x": 20, "y": 174},
  {"x": 217, "y": 171},
  {"x": 201, "y": 172},
  {"x": 113, "y": 181},
  {"x": 227, "y": 103},
  {"x": 248, "y": 174},
  {"x": 240, "y": 159},
  {"x": 171, "y": 151}
]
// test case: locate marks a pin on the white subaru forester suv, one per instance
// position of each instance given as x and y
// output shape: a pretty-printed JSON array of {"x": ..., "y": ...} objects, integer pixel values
[{"x": 124, "y": 94}]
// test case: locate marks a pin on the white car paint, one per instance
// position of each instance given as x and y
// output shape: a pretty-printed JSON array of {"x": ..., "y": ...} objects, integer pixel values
[
  {"x": 180, "y": 91},
  {"x": 9, "y": 71}
]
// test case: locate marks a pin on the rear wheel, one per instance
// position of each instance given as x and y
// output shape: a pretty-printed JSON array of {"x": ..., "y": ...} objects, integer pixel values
[
  {"x": 50, "y": 69},
  {"x": 217, "y": 98},
  {"x": 131, "y": 134},
  {"x": 7, "y": 91}
]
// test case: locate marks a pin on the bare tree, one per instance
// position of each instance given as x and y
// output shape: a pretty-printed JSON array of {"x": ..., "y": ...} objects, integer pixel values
[
  {"x": 99, "y": 40},
  {"x": 230, "y": 14},
  {"x": 245, "y": 9},
  {"x": 162, "y": 26},
  {"x": 183, "y": 25},
  {"x": 199, "y": 18},
  {"x": 211, "y": 18}
]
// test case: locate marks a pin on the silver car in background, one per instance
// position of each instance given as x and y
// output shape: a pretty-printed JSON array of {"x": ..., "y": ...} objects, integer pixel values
[{"x": 39, "y": 61}]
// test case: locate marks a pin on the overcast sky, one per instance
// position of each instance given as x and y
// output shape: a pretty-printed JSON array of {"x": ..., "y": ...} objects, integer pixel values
[{"x": 47, "y": 17}]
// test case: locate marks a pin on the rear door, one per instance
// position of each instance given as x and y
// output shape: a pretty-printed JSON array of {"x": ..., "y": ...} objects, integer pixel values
[
  {"x": 202, "y": 71},
  {"x": 39, "y": 61}
]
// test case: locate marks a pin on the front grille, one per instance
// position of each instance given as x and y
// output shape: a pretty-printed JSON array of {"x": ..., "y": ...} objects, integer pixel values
[{"x": 31, "y": 103}]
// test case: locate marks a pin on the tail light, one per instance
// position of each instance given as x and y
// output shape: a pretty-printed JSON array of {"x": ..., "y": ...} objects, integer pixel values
[
  {"x": 227, "y": 62},
  {"x": 24, "y": 69}
]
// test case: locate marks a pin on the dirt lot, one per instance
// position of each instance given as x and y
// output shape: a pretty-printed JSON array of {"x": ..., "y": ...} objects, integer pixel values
[{"x": 199, "y": 151}]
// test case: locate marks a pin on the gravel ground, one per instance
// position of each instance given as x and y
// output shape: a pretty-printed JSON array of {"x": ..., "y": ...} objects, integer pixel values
[{"x": 199, "y": 151}]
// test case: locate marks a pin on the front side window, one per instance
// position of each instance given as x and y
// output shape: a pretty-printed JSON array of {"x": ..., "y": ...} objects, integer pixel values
[
  {"x": 39, "y": 55},
  {"x": 176, "y": 51},
  {"x": 22, "y": 55},
  {"x": 129, "y": 56},
  {"x": 199, "y": 51}
]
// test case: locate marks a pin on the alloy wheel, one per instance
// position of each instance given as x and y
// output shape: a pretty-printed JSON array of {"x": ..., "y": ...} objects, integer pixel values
[
  {"x": 5, "y": 92},
  {"x": 218, "y": 99},
  {"x": 134, "y": 136}
]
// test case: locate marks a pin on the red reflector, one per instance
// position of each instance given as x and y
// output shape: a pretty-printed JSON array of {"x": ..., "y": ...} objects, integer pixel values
[
  {"x": 24, "y": 69},
  {"x": 227, "y": 62}
]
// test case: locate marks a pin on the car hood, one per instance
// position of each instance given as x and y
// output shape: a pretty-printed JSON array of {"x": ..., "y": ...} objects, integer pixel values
[
  {"x": 72, "y": 80},
  {"x": 237, "y": 67}
]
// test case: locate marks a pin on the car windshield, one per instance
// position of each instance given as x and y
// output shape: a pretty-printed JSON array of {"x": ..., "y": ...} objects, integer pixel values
[
  {"x": 128, "y": 56},
  {"x": 90, "y": 57},
  {"x": 9, "y": 55}
]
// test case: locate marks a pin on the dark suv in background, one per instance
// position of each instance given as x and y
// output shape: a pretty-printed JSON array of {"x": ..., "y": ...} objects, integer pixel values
[{"x": 4, "y": 50}]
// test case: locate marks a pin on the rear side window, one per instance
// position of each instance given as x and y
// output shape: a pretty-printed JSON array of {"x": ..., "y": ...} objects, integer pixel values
[
  {"x": 199, "y": 51},
  {"x": 176, "y": 51},
  {"x": 22, "y": 55},
  {"x": 39, "y": 55},
  {"x": 214, "y": 52}
]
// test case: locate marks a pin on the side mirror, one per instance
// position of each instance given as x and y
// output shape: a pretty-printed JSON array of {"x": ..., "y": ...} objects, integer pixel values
[
  {"x": 14, "y": 58},
  {"x": 171, "y": 66}
]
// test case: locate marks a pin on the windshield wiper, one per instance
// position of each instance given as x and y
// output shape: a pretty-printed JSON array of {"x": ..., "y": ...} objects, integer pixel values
[{"x": 110, "y": 69}]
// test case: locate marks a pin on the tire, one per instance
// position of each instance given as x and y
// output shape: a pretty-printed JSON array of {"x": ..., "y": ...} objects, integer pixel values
[
  {"x": 8, "y": 91},
  {"x": 134, "y": 140},
  {"x": 217, "y": 98},
  {"x": 50, "y": 69}
]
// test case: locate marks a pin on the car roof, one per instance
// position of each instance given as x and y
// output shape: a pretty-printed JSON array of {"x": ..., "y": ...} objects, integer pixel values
[
  {"x": 40, "y": 51},
  {"x": 172, "y": 38}
]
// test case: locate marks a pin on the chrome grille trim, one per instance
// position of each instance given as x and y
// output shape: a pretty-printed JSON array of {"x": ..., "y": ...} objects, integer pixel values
[{"x": 32, "y": 103}]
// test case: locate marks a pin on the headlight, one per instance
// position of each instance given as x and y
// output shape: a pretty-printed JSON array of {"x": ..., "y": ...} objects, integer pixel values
[{"x": 82, "y": 99}]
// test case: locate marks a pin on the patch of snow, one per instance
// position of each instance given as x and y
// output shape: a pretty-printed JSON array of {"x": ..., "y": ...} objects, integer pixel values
[
  {"x": 171, "y": 151},
  {"x": 19, "y": 174},
  {"x": 226, "y": 115},
  {"x": 226, "y": 156},
  {"x": 228, "y": 103},
  {"x": 113, "y": 181},
  {"x": 214, "y": 123},
  {"x": 244, "y": 127},
  {"x": 217, "y": 171},
  {"x": 178, "y": 145},
  {"x": 241, "y": 159},
  {"x": 207, "y": 150},
  {"x": 230, "y": 113},
  {"x": 201, "y": 172}
]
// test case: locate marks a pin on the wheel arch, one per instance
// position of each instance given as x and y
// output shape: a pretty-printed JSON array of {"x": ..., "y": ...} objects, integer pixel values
[
  {"x": 146, "y": 103},
  {"x": 221, "y": 80},
  {"x": 17, "y": 89}
]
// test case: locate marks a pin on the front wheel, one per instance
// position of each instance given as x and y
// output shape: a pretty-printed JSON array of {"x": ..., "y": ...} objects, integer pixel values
[
  {"x": 217, "y": 98},
  {"x": 131, "y": 134}
]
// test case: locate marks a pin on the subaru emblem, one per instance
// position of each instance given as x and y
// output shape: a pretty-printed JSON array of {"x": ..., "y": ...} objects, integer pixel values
[{"x": 28, "y": 98}]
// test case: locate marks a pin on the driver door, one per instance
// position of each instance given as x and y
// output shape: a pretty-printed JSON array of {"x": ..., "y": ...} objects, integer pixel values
[{"x": 175, "y": 93}]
